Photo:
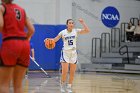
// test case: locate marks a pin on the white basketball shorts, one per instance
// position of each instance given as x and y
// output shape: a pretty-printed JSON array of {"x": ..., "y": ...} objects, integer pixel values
[{"x": 69, "y": 56}]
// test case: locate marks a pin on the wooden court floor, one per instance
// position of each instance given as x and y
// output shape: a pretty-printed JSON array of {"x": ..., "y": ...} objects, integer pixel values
[{"x": 89, "y": 82}]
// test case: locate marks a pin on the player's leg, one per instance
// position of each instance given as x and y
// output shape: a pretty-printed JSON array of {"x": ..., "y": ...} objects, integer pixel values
[
  {"x": 64, "y": 71},
  {"x": 8, "y": 57},
  {"x": 19, "y": 73},
  {"x": 71, "y": 77},
  {"x": 21, "y": 67},
  {"x": 65, "y": 67},
  {"x": 5, "y": 78},
  {"x": 73, "y": 62},
  {"x": 64, "y": 75},
  {"x": 72, "y": 72}
]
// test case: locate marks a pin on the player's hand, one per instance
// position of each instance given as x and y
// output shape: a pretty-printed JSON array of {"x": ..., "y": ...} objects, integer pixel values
[
  {"x": 48, "y": 39},
  {"x": 81, "y": 20},
  {"x": 29, "y": 38},
  {"x": 45, "y": 39}
]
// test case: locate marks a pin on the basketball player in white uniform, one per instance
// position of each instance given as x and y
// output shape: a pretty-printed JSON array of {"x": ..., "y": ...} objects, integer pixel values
[{"x": 69, "y": 54}]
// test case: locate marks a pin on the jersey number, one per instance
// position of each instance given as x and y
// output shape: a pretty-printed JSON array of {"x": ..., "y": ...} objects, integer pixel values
[
  {"x": 18, "y": 14},
  {"x": 70, "y": 42}
]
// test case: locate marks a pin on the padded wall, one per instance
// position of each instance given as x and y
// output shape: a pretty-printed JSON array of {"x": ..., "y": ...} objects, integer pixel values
[{"x": 47, "y": 59}]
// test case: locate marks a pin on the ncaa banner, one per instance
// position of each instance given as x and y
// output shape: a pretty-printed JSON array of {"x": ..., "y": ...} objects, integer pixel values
[{"x": 110, "y": 17}]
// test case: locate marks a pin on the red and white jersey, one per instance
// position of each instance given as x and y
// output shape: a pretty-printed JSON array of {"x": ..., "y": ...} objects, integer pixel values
[{"x": 14, "y": 21}]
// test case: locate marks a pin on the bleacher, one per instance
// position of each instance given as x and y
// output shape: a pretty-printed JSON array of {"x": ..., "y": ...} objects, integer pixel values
[{"x": 111, "y": 53}]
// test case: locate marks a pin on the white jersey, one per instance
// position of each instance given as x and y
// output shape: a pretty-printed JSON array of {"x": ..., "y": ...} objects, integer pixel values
[{"x": 69, "y": 38}]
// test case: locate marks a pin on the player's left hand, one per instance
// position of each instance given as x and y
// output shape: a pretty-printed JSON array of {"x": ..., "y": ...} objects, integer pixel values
[{"x": 81, "y": 20}]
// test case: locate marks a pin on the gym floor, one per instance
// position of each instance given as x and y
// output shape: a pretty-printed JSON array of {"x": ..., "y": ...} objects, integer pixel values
[{"x": 89, "y": 82}]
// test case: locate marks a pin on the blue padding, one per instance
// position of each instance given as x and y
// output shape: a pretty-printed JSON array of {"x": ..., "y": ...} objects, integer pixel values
[{"x": 47, "y": 59}]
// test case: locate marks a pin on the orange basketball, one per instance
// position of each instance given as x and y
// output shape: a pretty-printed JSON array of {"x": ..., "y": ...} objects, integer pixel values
[{"x": 49, "y": 43}]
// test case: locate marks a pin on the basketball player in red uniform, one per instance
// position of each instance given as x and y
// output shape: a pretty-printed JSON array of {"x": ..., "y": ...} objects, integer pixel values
[{"x": 15, "y": 49}]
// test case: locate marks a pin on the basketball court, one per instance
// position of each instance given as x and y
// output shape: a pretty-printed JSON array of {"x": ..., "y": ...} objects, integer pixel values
[{"x": 89, "y": 82}]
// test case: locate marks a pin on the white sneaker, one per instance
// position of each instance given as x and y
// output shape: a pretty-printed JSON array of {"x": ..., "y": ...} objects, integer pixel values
[
  {"x": 69, "y": 88},
  {"x": 138, "y": 56},
  {"x": 62, "y": 86}
]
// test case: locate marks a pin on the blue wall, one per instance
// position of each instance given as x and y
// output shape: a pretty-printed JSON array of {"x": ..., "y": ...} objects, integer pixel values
[{"x": 47, "y": 59}]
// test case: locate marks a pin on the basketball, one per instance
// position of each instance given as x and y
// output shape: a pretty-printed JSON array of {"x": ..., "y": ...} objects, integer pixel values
[{"x": 49, "y": 43}]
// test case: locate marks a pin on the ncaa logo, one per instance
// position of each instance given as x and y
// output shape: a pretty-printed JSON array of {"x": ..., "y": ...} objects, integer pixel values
[{"x": 110, "y": 17}]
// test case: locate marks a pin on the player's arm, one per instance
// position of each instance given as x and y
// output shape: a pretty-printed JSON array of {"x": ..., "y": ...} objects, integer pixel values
[
  {"x": 57, "y": 38},
  {"x": 1, "y": 17},
  {"x": 85, "y": 27},
  {"x": 30, "y": 28}
]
